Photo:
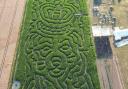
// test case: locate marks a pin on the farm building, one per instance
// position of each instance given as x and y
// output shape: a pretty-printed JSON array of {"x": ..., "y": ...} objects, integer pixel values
[{"x": 120, "y": 37}]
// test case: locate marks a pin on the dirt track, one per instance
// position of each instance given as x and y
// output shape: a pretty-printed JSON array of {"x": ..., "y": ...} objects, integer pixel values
[
  {"x": 109, "y": 72},
  {"x": 11, "y": 13}
]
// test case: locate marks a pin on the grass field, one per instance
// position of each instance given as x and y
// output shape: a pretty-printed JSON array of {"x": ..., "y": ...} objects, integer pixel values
[{"x": 55, "y": 50}]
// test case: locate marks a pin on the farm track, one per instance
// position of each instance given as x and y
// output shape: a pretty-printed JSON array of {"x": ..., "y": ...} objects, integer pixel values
[
  {"x": 118, "y": 82},
  {"x": 10, "y": 18}
]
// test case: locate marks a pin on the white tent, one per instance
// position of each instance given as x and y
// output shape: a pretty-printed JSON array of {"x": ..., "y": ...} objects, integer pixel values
[
  {"x": 118, "y": 34},
  {"x": 101, "y": 31},
  {"x": 121, "y": 37}
]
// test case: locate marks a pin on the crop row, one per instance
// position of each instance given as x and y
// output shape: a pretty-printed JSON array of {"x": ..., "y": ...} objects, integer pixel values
[{"x": 55, "y": 49}]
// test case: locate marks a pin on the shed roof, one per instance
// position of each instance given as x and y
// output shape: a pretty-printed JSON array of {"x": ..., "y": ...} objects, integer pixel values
[
  {"x": 121, "y": 43},
  {"x": 118, "y": 34},
  {"x": 101, "y": 31}
]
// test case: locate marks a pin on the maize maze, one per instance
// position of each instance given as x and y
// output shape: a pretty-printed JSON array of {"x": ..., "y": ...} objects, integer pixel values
[{"x": 55, "y": 48}]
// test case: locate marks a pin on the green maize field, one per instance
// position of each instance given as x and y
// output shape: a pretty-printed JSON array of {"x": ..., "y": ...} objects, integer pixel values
[{"x": 55, "y": 48}]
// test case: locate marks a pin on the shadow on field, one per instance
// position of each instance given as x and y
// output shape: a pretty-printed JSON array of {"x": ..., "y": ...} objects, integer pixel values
[{"x": 103, "y": 48}]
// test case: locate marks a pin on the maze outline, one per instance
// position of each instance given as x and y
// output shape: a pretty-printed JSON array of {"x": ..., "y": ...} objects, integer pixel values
[{"x": 54, "y": 52}]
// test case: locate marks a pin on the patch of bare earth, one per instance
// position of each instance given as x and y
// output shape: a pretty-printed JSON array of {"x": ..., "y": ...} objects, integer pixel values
[
  {"x": 120, "y": 57},
  {"x": 122, "y": 54},
  {"x": 11, "y": 13},
  {"x": 121, "y": 12}
]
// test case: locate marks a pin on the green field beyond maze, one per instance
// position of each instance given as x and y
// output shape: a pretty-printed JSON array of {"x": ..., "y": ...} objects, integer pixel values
[{"x": 55, "y": 49}]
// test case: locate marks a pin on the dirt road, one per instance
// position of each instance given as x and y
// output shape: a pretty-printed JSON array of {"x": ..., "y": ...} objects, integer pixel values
[
  {"x": 103, "y": 75},
  {"x": 109, "y": 74},
  {"x": 109, "y": 71},
  {"x": 119, "y": 82},
  {"x": 11, "y": 13}
]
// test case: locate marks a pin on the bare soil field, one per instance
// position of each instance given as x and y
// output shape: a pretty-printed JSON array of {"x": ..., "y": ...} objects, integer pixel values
[
  {"x": 11, "y": 12},
  {"x": 121, "y": 12},
  {"x": 109, "y": 74},
  {"x": 122, "y": 54},
  {"x": 119, "y": 59},
  {"x": 108, "y": 69}
]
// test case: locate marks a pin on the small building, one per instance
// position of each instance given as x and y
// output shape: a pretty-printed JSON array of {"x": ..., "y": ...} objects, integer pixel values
[
  {"x": 99, "y": 31},
  {"x": 120, "y": 37}
]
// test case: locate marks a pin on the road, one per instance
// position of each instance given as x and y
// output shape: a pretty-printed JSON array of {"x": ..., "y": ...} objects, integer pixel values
[{"x": 11, "y": 13}]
